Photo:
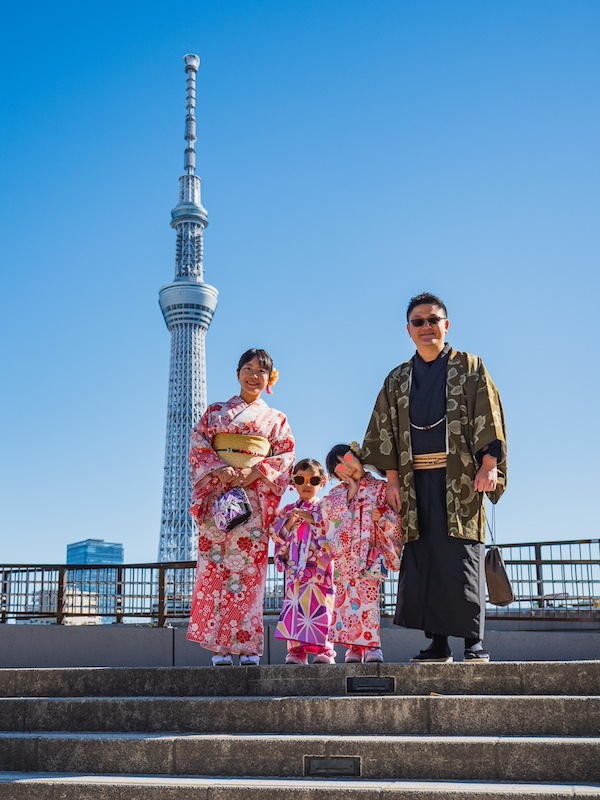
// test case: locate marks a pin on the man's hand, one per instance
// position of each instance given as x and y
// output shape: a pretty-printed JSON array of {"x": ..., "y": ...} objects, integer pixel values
[
  {"x": 486, "y": 479},
  {"x": 392, "y": 490}
]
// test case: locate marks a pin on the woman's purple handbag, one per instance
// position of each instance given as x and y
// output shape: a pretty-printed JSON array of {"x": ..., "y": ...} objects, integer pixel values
[{"x": 230, "y": 509}]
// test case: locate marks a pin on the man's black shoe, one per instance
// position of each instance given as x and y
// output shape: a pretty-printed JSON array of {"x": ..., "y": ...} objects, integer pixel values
[
  {"x": 477, "y": 656},
  {"x": 433, "y": 655}
]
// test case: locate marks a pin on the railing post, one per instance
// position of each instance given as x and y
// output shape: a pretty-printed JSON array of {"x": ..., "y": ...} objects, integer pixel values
[
  {"x": 4, "y": 601},
  {"x": 60, "y": 595},
  {"x": 539, "y": 573},
  {"x": 119, "y": 596},
  {"x": 161, "y": 596}
]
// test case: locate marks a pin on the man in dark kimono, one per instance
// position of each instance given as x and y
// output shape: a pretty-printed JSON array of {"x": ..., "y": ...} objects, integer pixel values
[{"x": 437, "y": 432}]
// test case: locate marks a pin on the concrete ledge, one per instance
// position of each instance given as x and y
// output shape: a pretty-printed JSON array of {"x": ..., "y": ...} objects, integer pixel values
[
  {"x": 457, "y": 758},
  {"x": 441, "y": 716},
  {"x": 45, "y": 786},
  {"x": 131, "y": 646},
  {"x": 85, "y": 646},
  {"x": 580, "y": 678}
]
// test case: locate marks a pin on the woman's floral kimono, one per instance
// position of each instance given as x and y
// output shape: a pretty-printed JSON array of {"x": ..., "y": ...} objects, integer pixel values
[
  {"x": 304, "y": 554},
  {"x": 363, "y": 552},
  {"x": 227, "y": 605}
]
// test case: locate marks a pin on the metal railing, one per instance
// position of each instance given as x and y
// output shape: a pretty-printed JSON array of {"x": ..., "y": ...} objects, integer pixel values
[{"x": 551, "y": 581}]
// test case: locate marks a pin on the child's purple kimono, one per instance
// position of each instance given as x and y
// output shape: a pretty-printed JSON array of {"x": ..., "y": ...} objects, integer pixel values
[{"x": 305, "y": 555}]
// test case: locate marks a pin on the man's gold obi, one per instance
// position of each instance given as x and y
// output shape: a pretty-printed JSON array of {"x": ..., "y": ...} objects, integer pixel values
[{"x": 429, "y": 461}]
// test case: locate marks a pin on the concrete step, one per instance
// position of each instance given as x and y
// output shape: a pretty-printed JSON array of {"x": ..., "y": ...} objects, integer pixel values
[
  {"x": 449, "y": 758},
  {"x": 438, "y": 715},
  {"x": 44, "y": 786},
  {"x": 503, "y": 678}
]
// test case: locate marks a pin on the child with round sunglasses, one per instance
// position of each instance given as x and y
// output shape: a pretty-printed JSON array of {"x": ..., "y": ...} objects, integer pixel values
[
  {"x": 303, "y": 552},
  {"x": 366, "y": 542}
]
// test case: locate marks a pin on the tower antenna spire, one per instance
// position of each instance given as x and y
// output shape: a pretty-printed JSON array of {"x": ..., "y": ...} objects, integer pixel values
[
  {"x": 192, "y": 63},
  {"x": 188, "y": 305}
]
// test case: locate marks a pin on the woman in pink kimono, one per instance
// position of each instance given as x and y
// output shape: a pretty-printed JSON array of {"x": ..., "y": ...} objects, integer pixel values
[
  {"x": 365, "y": 534},
  {"x": 239, "y": 443}
]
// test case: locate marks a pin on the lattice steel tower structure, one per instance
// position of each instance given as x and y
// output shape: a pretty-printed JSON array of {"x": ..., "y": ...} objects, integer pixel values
[{"x": 188, "y": 305}]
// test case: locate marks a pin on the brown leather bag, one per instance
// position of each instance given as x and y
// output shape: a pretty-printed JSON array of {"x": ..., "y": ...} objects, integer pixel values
[{"x": 500, "y": 591}]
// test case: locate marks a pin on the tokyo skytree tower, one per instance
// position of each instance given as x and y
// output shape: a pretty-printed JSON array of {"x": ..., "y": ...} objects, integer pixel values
[{"x": 188, "y": 305}]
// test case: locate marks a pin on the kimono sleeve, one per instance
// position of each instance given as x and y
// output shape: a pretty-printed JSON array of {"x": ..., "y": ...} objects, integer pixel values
[
  {"x": 281, "y": 537},
  {"x": 203, "y": 461},
  {"x": 388, "y": 531},
  {"x": 488, "y": 424},
  {"x": 333, "y": 508},
  {"x": 277, "y": 467},
  {"x": 380, "y": 449}
]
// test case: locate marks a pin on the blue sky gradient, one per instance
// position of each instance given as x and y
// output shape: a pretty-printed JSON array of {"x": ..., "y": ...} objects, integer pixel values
[{"x": 352, "y": 154}]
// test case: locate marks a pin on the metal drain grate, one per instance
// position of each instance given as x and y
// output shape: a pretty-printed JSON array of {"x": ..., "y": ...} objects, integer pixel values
[
  {"x": 367, "y": 685},
  {"x": 332, "y": 766}
]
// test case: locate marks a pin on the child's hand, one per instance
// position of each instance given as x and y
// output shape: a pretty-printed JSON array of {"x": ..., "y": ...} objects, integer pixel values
[
  {"x": 352, "y": 487},
  {"x": 376, "y": 515},
  {"x": 296, "y": 517},
  {"x": 305, "y": 516},
  {"x": 291, "y": 521}
]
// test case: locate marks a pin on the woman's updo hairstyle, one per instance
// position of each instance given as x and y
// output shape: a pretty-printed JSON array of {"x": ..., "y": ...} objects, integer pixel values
[{"x": 264, "y": 359}]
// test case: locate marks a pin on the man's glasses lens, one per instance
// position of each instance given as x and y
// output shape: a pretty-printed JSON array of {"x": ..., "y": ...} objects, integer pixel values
[
  {"x": 300, "y": 480},
  {"x": 418, "y": 323}
]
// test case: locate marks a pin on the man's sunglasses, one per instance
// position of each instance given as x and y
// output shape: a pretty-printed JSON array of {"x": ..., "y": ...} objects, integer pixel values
[
  {"x": 300, "y": 480},
  {"x": 431, "y": 321}
]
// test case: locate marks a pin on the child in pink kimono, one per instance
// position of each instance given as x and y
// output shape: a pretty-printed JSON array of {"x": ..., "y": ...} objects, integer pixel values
[
  {"x": 365, "y": 535},
  {"x": 304, "y": 554}
]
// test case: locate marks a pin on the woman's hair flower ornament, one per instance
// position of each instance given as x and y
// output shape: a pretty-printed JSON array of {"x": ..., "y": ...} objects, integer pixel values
[{"x": 273, "y": 378}]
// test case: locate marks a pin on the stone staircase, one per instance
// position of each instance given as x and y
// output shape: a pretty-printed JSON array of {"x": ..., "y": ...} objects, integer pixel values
[{"x": 375, "y": 732}]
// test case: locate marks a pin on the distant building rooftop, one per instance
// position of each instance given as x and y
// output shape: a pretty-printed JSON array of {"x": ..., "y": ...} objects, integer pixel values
[{"x": 95, "y": 551}]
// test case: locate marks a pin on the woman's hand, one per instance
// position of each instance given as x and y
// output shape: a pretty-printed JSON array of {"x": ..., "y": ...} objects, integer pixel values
[
  {"x": 225, "y": 475},
  {"x": 245, "y": 477}
]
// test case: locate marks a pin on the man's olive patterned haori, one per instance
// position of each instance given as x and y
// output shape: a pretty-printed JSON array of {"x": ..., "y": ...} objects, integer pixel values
[{"x": 474, "y": 420}]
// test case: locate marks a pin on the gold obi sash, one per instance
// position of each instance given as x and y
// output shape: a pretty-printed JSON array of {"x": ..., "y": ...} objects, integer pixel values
[
  {"x": 429, "y": 461},
  {"x": 239, "y": 450}
]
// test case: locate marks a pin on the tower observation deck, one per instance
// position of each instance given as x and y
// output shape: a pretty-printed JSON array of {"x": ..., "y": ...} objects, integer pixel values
[{"x": 188, "y": 305}]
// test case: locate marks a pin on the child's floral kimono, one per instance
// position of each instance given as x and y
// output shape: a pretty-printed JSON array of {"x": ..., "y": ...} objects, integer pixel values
[{"x": 363, "y": 552}]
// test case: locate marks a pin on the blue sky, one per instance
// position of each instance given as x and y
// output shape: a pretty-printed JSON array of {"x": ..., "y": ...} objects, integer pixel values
[{"x": 352, "y": 154}]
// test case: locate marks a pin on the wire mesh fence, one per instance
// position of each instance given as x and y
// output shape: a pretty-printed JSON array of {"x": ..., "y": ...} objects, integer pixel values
[{"x": 551, "y": 580}]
